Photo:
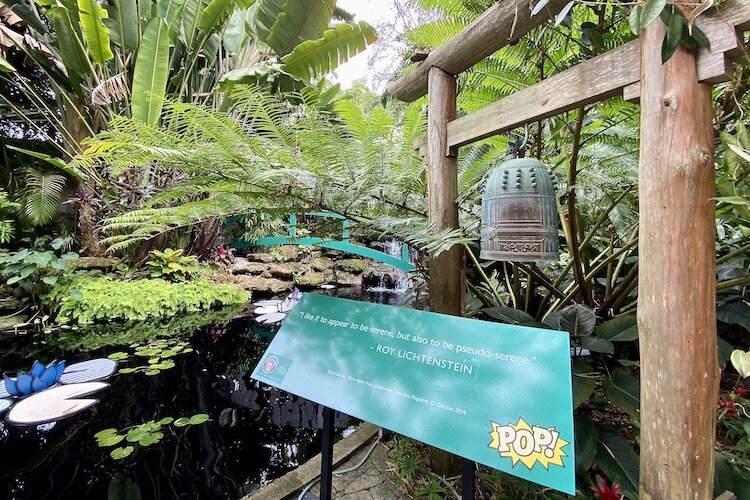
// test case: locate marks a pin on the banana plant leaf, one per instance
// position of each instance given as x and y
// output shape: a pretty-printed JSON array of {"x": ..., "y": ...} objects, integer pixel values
[
  {"x": 94, "y": 31},
  {"x": 151, "y": 73},
  {"x": 318, "y": 57}
]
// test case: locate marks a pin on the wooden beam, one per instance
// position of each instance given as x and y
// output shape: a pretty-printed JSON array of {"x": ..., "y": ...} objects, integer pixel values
[
  {"x": 599, "y": 78},
  {"x": 590, "y": 81},
  {"x": 446, "y": 269},
  {"x": 500, "y": 25},
  {"x": 676, "y": 276}
]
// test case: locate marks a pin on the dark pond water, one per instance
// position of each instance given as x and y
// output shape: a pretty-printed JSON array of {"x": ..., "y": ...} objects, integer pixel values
[{"x": 256, "y": 433}]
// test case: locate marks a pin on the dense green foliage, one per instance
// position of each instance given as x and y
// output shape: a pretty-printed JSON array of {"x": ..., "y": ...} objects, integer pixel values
[
  {"x": 85, "y": 300},
  {"x": 33, "y": 272},
  {"x": 171, "y": 264}
]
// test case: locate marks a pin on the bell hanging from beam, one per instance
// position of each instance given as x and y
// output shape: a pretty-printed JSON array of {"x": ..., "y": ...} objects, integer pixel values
[{"x": 519, "y": 213}]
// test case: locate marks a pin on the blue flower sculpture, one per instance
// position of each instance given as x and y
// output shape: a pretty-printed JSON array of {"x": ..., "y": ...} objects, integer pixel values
[{"x": 39, "y": 378}]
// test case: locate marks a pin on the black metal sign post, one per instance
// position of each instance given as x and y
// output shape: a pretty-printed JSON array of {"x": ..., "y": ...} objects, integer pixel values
[
  {"x": 326, "y": 455},
  {"x": 468, "y": 483}
]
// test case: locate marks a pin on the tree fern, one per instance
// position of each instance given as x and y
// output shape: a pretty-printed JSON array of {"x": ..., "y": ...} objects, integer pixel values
[{"x": 41, "y": 196}]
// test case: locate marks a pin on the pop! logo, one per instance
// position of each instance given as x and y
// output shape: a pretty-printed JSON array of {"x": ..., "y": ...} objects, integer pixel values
[{"x": 528, "y": 445}]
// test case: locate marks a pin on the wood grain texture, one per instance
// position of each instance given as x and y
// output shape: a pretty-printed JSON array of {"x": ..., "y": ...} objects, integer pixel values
[
  {"x": 446, "y": 269},
  {"x": 590, "y": 81},
  {"x": 676, "y": 278},
  {"x": 498, "y": 26},
  {"x": 599, "y": 78}
]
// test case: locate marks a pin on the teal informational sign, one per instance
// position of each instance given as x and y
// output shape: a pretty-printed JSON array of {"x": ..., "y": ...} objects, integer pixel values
[{"x": 496, "y": 394}]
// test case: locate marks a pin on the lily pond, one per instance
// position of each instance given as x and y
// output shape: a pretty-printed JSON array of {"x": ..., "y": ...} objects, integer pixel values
[{"x": 180, "y": 419}]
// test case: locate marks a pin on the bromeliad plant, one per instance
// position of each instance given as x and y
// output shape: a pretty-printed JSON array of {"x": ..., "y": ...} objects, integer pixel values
[{"x": 172, "y": 264}]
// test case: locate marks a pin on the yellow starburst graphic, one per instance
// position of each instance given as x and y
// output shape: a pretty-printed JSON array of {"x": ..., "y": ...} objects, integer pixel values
[{"x": 528, "y": 444}]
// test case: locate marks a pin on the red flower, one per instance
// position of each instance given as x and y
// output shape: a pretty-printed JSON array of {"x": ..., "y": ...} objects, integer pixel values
[
  {"x": 729, "y": 406},
  {"x": 741, "y": 392},
  {"x": 606, "y": 492}
]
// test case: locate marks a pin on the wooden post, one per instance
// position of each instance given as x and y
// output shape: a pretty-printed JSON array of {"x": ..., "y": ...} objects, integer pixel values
[
  {"x": 677, "y": 281},
  {"x": 446, "y": 270}
]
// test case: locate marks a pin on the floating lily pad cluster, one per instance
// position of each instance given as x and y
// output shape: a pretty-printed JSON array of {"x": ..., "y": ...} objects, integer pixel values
[
  {"x": 158, "y": 353},
  {"x": 145, "y": 434},
  {"x": 39, "y": 378}
]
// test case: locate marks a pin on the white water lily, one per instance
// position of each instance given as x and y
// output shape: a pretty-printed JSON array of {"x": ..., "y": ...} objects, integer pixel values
[{"x": 271, "y": 312}]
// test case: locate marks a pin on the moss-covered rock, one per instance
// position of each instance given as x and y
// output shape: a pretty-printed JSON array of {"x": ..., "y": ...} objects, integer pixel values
[
  {"x": 315, "y": 278},
  {"x": 88, "y": 263},
  {"x": 321, "y": 263},
  {"x": 260, "y": 257},
  {"x": 351, "y": 265},
  {"x": 261, "y": 284},
  {"x": 348, "y": 279}
]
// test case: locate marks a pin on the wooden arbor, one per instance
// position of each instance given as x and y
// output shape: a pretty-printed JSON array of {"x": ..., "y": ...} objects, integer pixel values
[{"x": 676, "y": 305}]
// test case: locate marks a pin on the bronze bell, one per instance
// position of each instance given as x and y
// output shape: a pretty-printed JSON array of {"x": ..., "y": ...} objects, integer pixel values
[{"x": 519, "y": 213}]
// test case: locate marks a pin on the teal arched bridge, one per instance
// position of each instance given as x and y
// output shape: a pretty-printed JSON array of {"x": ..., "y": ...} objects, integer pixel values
[{"x": 342, "y": 245}]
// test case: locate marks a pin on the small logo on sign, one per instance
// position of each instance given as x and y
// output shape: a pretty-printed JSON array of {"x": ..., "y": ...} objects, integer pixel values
[
  {"x": 528, "y": 444},
  {"x": 275, "y": 367},
  {"x": 270, "y": 365}
]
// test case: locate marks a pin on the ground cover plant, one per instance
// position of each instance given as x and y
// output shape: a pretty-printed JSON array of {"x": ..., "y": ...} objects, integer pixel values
[{"x": 85, "y": 300}]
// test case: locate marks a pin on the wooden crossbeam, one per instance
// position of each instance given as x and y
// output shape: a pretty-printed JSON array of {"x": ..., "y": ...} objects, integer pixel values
[
  {"x": 499, "y": 26},
  {"x": 599, "y": 78},
  {"x": 591, "y": 81}
]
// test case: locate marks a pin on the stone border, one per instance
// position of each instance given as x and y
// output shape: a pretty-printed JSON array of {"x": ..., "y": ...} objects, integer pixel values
[{"x": 292, "y": 482}]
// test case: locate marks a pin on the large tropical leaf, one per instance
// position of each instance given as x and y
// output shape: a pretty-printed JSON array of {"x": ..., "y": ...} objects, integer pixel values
[
  {"x": 268, "y": 12},
  {"x": 151, "y": 73},
  {"x": 123, "y": 24},
  {"x": 171, "y": 12},
  {"x": 94, "y": 31},
  {"x": 19, "y": 8},
  {"x": 617, "y": 459},
  {"x": 297, "y": 21},
  {"x": 42, "y": 196},
  {"x": 5, "y": 66},
  {"x": 58, "y": 163},
  {"x": 213, "y": 14},
  {"x": 238, "y": 30},
  {"x": 190, "y": 16},
  {"x": 624, "y": 391},
  {"x": 318, "y": 57},
  {"x": 70, "y": 45},
  {"x": 578, "y": 320}
]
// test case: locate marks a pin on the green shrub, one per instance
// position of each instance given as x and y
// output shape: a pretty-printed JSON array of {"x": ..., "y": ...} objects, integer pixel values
[
  {"x": 172, "y": 265},
  {"x": 87, "y": 299}
]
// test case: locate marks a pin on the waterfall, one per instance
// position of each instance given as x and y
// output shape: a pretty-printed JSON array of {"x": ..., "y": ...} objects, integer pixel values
[{"x": 391, "y": 280}]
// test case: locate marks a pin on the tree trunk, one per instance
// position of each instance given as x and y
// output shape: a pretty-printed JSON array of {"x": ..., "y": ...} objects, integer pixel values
[
  {"x": 447, "y": 269},
  {"x": 677, "y": 281},
  {"x": 90, "y": 244}
]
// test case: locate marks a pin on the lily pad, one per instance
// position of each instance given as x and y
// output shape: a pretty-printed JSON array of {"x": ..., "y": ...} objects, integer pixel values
[
  {"x": 110, "y": 440},
  {"x": 151, "y": 438},
  {"x": 198, "y": 419},
  {"x": 88, "y": 371},
  {"x": 54, "y": 404},
  {"x": 121, "y": 452},
  {"x": 182, "y": 422}
]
